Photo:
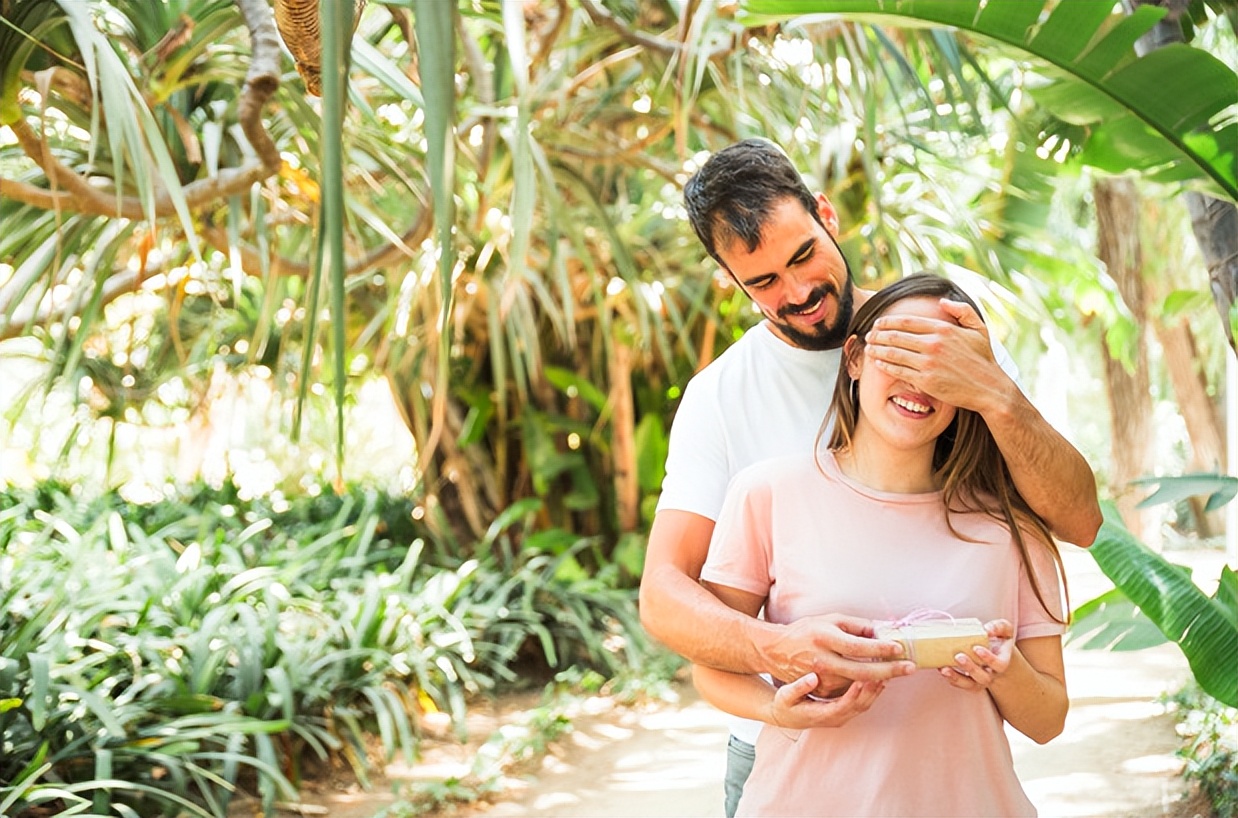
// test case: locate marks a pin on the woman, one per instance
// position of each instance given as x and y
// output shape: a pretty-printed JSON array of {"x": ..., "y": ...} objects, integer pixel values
[{"x": 909, "y": 508}]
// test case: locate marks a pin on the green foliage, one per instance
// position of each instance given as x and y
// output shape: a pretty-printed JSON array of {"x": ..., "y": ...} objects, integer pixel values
[
  {"x": 1204, "y": 627},
  {"x": 1151, "y": 113},
  {"x": 203, "y": 645},
  {"x": 336, "y": 30},
  {"x": 1211, "y": 750},
  {"x": 1112, "y": 622},
  {"x": 28, "y": 32},
  {"x": 1219, "y": 488}
]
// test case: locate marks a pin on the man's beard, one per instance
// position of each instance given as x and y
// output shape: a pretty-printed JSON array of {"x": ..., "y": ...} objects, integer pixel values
[{"x": 823, "y": 335}]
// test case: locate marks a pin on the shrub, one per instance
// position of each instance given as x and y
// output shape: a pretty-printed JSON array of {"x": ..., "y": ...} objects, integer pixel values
[
  {"x": 1211, "y": 748},
  {"x": 174, "y": 653}
]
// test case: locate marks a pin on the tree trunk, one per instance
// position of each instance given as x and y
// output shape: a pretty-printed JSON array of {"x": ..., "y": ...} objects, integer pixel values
[
  {"x": 1199, "y": 412},
  {"x": 1130, "y": 400},
  {"x": 623, "y": 442},
  {"x": 1213, "y": 221},
  {"x": 1215, "y": 225}
]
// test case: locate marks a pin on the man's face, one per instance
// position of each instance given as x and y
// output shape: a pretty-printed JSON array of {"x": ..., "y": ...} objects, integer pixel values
[{"x": 797, "y": 277}]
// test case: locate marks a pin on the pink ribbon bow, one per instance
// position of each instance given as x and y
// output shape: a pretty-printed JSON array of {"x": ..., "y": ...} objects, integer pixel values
[{"x": 916, "y": 617}]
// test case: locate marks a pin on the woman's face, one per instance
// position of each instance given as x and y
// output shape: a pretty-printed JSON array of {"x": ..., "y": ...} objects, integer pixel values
[{"x": 892, "y": 410}]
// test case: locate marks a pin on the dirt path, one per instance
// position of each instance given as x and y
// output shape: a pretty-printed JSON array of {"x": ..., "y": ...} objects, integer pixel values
[{"x": 1116, "y": 757}]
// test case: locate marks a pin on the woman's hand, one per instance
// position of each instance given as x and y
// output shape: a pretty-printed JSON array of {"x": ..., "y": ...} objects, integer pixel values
[
  {"x": 793, "y": 707},
  {"x": 985, "y": 665}
]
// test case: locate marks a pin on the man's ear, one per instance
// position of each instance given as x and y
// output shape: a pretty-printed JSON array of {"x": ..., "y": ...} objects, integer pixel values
[{"x": 829, "y": 216}]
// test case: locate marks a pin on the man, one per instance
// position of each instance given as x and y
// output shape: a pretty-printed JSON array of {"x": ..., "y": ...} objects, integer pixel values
[{"x": 766, "y": 396}]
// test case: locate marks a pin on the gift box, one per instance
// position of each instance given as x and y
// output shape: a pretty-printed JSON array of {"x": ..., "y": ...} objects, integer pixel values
[{"x": 935, "y": 643}]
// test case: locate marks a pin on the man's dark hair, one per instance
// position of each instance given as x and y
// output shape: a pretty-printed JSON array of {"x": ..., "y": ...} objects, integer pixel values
[{"x": 732, "y": 195}]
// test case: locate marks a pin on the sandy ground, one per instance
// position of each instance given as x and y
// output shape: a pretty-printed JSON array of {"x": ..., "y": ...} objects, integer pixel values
[{"x": 1115, "y": 758}]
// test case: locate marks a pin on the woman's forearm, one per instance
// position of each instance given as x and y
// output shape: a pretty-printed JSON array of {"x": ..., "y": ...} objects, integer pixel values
[
  {"x": 789, "y": 708},
  {"x": 740, "y": 694},
  {"x": 1032, "y": 701}
]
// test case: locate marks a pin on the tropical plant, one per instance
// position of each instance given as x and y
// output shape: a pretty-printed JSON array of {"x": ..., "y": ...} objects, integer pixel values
[
  {"x": 252, "y": 195},
  {"x": 1115, "y": 107},
  {"x": 579, "y": 308},
  {"x": 1094, "y": 79},
  {"x": 172, "y": 655},
  {"x": 491, "y": 222},
  {"x": 1150, "y": 588},
  {"x": 1210, "y": 730}
]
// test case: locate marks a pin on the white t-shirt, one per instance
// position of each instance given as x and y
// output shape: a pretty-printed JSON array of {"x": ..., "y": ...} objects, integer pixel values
[{"x": 761, "y": 398}]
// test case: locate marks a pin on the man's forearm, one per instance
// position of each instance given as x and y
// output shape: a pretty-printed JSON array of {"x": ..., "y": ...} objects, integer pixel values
[
  {"x": 694, "y": 623},
  {"x": 718, "y": 627},
  {"x": 1052, "y": 476}
]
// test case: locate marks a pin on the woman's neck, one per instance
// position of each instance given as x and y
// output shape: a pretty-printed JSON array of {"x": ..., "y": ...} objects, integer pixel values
[{"x": 883, "y": 468}]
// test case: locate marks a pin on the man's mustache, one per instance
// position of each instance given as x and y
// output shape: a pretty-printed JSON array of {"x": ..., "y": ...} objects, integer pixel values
[{"x": 813, "y": 297}]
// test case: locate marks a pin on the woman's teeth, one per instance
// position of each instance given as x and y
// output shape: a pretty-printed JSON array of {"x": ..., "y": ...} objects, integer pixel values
[{"x": 912, "y": 406}]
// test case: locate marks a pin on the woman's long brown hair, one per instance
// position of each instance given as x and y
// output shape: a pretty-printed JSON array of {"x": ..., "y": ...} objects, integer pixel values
[{"x": 967, "y": 462}]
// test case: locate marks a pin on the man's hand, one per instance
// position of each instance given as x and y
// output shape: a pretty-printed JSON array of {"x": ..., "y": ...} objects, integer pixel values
[
  {"x": 839, "y": 649},
  {"x": 792, "y": 709},
  {"x": 951, "y": 361}
]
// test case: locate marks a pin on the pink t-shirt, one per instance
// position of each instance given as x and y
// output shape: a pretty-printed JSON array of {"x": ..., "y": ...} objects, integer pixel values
[{"x": 816, "y": 542}]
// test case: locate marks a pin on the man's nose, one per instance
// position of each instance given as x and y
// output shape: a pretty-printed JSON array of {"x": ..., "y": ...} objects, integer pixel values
[{"x": 799, "y": 289}]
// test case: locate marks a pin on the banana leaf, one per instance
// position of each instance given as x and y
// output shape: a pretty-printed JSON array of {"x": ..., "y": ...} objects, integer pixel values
[
  {"x": 1204, "y": 627},
  {"x": 1220, "y": 488},
  {"x": 1112, "y": 622},
  {"x": 1149, "y": 113}
]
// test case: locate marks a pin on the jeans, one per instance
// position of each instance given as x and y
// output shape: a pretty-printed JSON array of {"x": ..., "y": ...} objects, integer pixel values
[{"x": 739, "y": 758}]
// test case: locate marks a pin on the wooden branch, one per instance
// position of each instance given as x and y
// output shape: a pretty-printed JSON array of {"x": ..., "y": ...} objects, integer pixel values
[
  {"x": 479, "y": 66},
  {"x": 403, "y": 21},
  {"x": 600, "y": 16},
  {"x": 483, "y": 82},
  {"x": 388, "y": 254},
  {"x": 62, "y": 81},
  {"x": 35, "y": 196},
  {"x": 126, "y": 280},
  {"x": 261, "y": 82},
  {"x": 551, "y": 37}
]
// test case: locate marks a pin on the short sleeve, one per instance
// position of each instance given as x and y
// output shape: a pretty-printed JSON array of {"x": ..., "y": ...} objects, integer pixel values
[
  {"x": 1002, "y": 356},
  {"x": 1034, "y": 620},
  {"x": 740, "y": 553},
  {"x": 697, "y": 469}
]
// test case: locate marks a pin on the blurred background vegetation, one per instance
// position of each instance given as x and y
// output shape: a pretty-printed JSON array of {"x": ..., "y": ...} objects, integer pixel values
[{"x": 337, "y": 372}]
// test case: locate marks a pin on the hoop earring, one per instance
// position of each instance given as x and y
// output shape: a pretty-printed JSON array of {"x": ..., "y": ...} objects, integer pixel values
[{"x": 855, "y": 398}]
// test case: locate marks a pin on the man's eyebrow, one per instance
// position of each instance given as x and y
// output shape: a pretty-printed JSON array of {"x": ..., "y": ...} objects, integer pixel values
[{"x": 802, "y": 249}]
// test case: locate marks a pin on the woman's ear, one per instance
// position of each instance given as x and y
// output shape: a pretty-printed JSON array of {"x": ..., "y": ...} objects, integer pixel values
[{"x": 853, "y": 356}]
